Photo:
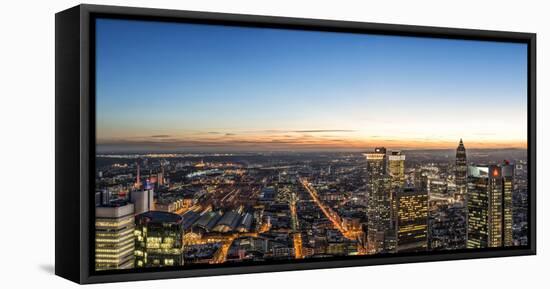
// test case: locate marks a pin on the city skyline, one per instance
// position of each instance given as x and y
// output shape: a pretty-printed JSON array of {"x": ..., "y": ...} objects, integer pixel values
[
  {"x": 218, "y": 144},
  {"x": 188, "y": 87},
  {"x": 185, "y": 210}
]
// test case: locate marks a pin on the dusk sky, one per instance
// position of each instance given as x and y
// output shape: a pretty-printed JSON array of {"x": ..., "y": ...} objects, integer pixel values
[{"x": 190, "y": 87}]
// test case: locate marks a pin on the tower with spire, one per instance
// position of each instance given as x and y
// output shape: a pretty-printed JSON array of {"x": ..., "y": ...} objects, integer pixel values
[{"x": 461, "y": 172}]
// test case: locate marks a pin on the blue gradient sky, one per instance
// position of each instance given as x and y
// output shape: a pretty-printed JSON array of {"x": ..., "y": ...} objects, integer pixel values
[{"x": 168, "y": 86}]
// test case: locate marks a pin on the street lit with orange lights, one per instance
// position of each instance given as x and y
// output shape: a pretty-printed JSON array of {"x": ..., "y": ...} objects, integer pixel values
[
  {"x": 296, "y": 235},
  {"x": 332, "y": 216}
]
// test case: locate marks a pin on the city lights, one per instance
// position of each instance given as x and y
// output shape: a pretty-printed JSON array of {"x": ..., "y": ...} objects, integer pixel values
[
  {"x": 316, "y": 148},
  {"x": 259, "y": 207}
]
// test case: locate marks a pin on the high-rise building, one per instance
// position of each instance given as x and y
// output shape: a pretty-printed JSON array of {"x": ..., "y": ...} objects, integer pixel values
[
  {"x": 143, "y": 200},
  {"x": 478, "y": 207},
  {"x": 379, "y": 236},
  {"x": 396, "y": 168},
  {"x": 461, "y": 172},
  {"x": 412, "y": 221},
  {"x": 114, "y": 236},
  {"x": 159, "y": 239},
  {"x": 396, "y": 171},
  {"x": 496, "y": 208},
  {"x": 508, "y": 188},
  {"x": 489, "y": 206}
]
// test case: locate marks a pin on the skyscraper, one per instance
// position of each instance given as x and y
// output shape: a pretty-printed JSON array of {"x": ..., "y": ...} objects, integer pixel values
[
  {"x": 159, "y": 239},
  {"x": 496, "y": 208},
  {"x": 508, "y": 188},
  {"x": 114, "y": 236},
  {"x": 396, "y": 171},
  {"x": 412, "y": 221},
  {"x": 379, "y": 238},
  {"x": 396, "y": 168},
  {"x": 478, "y": 207},
  {"x": 461, "y": 172},
  {"x": 489, "y": 206}
]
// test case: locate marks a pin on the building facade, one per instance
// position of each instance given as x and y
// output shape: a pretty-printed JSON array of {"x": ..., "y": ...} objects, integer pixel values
[
  {"x": 412, "y": 221},
  {"x": 508, "y": 189},
  {"x": 396, "y": 168},
  {"x": 461, "y": 172},
  {"x": 114, "y": 236},
  {"x": 159, "y": 239},
  {"x": 379, "y": 235},
  {"x": 396, "y": 171},
  {"x": 143, "y": 200},
  {"x": 490, "y": 191}
]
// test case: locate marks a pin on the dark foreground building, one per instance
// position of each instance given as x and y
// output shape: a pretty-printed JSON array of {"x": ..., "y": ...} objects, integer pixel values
[{"x": 159, "y": 239}]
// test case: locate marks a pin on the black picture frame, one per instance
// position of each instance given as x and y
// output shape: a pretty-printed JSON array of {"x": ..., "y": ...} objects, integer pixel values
[{"x": 75, "y": 138}]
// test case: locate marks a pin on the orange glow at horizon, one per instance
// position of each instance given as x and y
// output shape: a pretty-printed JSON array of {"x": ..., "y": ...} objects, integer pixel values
[{"x": 307, "y": 140}]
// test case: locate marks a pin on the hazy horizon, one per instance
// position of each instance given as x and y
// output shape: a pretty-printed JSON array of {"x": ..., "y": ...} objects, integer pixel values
[{"x": 106, "y": 150}]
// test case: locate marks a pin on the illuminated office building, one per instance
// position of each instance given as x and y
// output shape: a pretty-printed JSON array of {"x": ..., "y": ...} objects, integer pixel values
[
  {"x": 159, "y": 239},
  {"x": 496, "y": 208},
  {"x": 396, "y": 171},
  {"x": 396, "y": 168},
  {"x": 412, "y": 221},
  {"x": 508, "y": 188},
  {"x": 461, "y": 172},
  {"x": 379, "y": 237},
  {"x": 114, "y": 236},
  {"x": 478, "y": 207},
  {"x": 437, "y": 188},
  {"x": 490, "y": 206}
]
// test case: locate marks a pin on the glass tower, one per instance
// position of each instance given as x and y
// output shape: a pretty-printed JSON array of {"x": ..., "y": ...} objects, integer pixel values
[
  {"x": 490, "y": 206},
  {"x": 379, "y": 238},
  {"x": 159, "y": 239}
]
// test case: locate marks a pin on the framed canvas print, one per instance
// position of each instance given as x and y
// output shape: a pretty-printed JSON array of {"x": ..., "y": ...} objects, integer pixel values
[{"x": 193, "y": 144}]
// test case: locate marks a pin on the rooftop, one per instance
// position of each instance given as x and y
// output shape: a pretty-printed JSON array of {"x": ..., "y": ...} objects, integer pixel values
[{"x": 160, "y": 217}]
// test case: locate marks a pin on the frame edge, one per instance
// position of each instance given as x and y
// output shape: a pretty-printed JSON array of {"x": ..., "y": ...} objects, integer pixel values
[
  {"x": 86, "y": 10},
  {"x": 67, "y": 161}
]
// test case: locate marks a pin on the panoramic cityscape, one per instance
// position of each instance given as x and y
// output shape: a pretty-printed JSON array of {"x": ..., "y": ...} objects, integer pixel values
[
  {"x": 184, "y": 209},
  {"x": 239, "y": 145}
]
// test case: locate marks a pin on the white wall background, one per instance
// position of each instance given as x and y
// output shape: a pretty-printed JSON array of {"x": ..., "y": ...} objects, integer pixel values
[{"x": 27, "y": 143}]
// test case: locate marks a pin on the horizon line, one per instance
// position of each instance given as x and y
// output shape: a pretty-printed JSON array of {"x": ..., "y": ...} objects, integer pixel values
[{"x": 351, "y": 150}]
